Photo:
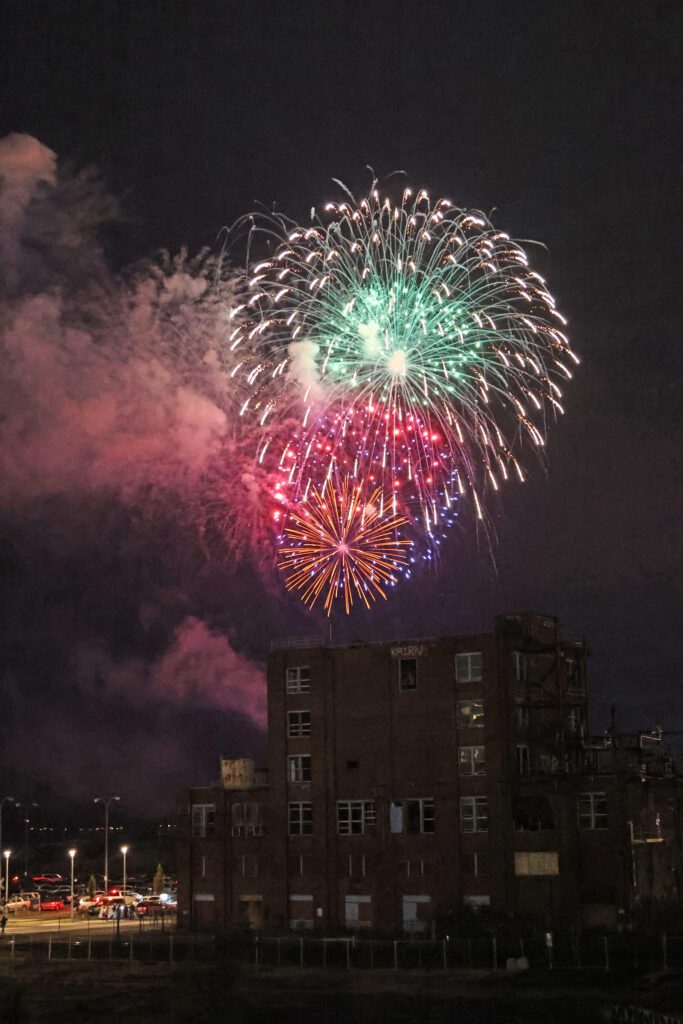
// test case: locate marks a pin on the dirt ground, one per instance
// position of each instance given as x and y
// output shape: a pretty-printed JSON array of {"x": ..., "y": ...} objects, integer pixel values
[{"x": 59, "y": 993}]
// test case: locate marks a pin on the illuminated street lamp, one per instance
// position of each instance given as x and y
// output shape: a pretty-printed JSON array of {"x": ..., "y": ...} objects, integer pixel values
[
  {"x": 124, "y": 851},
  {"x": 106, "y": 801},
  {"x": 72, "y": 854},
  {"x": 6, "y": 854}
]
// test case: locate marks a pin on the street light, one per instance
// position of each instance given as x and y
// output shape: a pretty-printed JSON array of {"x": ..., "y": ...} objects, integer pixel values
[
  {"x": 6, "y": 855},
  {"x": 4, "y": 800},
  {"x": 106, "y": 801},
  {"x": 124, "y": 851},
  {"x": 27, "y": 823},
  {"x": 72, "y": 854}
]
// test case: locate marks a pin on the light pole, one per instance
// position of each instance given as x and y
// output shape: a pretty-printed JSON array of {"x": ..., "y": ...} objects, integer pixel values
[
  {"x": 27, "y": 823},
  {"x": 106, "y": 801},
  {"x": 124, "y": 851},
  {"x": 4, "y": 800},
  {"x": 6, "y": 855},
  {"x": 72, "y": 854}
]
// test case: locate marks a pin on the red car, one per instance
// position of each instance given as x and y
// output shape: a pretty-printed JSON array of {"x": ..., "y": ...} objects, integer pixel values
[
  {"x": 52, "y": 903},
  {"x": 47, "y": 878}
]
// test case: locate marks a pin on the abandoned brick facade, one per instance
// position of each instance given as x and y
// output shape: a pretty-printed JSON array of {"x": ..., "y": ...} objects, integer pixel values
[{"x": 412, "y": 783}]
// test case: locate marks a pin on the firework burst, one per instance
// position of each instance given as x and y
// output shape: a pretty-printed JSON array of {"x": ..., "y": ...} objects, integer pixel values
[
  {"x": 341, "y": 545},
  {"x": 415, "y": 345}
]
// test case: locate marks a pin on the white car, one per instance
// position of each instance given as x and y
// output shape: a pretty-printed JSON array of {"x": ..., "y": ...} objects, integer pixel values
[{"x": 17, "y": 903}]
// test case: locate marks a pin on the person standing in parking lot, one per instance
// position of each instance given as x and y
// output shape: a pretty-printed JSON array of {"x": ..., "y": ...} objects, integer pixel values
[{"x": 3, "y": 924}]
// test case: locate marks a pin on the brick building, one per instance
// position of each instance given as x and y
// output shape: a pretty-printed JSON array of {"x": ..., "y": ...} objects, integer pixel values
[{"x": 414, "y": 782}]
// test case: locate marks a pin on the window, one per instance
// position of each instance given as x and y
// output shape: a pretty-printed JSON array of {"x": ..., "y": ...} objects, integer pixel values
[
  {"x": 301, "y": 818},
  {"x": 476, "y": 903},
  {"x": 470, "y": 714},
  {"x": 522, "y": 758},
  {"x": 358, "y": 911},
  {"x": 468, "y": 667},
  {"x": 301, "y": 913},
  {"x": 475, "y": 864},
  {"x": 299, "y": 768},
  {"x": 520, "y": 666},
  {"x": 574, "y": 720},
  {"x": 407, "y": 674},
  {"x": 412, "y": 816},
  {"x": 416, "y": 913},
  {"x": 203, "y": 820},
  {"x": 593, "y": 810},
  {"x": 415, "y": 868},
  {"x": 202, "y": 872},
  {"x": 537, "y": 864},
  {"x": 472, "y": 760},
  {"x": 357, "y": 865},
  {"x": 521, "y": 715},
  {"x": 249, "y": 865},
  {"x": 247, "y": 819},
  {"x": 532, "y": 814},
  {"x": 474, "y": 813},
  {"x": 296, "y": 864},
  {"x": 298, "y": 723},
  {"x": 298, "y": 679},
  {"x": 354, "y": 816}
]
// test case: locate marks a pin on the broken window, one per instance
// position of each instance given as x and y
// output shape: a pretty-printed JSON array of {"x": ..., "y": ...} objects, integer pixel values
[
  {"x": 474, "y": 814},
  {"x": 472, "y": 760},
  {"x": 412, "y": 816},
  {"x": 298, "y": 679},
  {"x": 298, "y": 723},
  {"x": 470, "y": 714},
  {"x": 532, "y": 814},
  {"x": 354, "y": 816},
  {"x": 407, "y": 674}
]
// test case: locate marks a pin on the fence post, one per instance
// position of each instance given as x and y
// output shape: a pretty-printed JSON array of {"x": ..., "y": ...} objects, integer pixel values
[
  {"x": 49, "y": 947},
  {"x": 494, "y": 950},
  {"x": 348, "y": 954},
  {"x": 170, "y": 949},
  {"x": 89, "y": 947},
  {"x": 395, "y": 955},
  {"x": 606, "y": 954},
  {"x": 301, "y": 952},
  {"x": 665, "y": 958},
  {"x": 130, "y": 950},
  {"x": 445, "y": 962},
  {"x": 69, "y": 953},
  {"x": 13, "y": 947},
  {"x": 256, "y": 951}
]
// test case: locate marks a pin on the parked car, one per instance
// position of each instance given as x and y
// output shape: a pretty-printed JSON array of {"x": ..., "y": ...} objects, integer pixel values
[
  {"x": 150, "y": 905},
  {"x": 86, "y": 902},
  {"x": 15, "y": 903},
  {"x": 52, "y": 903},
  {"x": 47, "y": 878},
  {"x": 33, "y": 898}
]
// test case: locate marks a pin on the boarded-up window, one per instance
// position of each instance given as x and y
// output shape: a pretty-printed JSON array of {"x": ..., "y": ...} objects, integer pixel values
[{"x": 537, "y": 863}]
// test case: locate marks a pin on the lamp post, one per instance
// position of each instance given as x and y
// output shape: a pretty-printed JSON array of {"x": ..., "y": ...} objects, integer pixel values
[
  {"x": 27, "y": 824},
  {"x": 6, "y": 854},
  {"x": 5, "y": 799},
  {"x": 106, "y": 801},
  {"x": 124, "y": 851},
  {"x": 72, "y": 854}
]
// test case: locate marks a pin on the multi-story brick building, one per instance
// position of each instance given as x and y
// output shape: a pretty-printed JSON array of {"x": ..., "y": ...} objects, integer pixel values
[{"x": 412, "y": 782}]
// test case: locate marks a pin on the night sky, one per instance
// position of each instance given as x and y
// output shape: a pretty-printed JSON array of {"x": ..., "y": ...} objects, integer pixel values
[{"x": 132, "y": 657}]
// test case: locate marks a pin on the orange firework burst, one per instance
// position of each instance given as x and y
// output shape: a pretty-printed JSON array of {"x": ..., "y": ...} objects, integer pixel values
[{"x": 342, "y": 544}]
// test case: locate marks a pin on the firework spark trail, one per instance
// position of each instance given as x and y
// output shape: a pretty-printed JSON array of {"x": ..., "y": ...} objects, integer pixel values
[
  {"x": 415, "y": 345},
  {"x": 341, "y": 545}
]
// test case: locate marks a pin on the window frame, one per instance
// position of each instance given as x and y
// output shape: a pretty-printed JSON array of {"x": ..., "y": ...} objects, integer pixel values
[
  {"x": 366, "y": 818},
  {"x": 465, "y": 679},
  {"x": 402, "y": 687},
  {"x": 304, "y": 727},
  {"x": 300, "y": 821},
  {"x": 294, "y": 682},
  {"x": 592, "y": 815},
  {"x": 522, "y": 759},
  {"x": 470, "y": 724},
  {"x": 202, "y": 824},
  {"x": 476, "y": 817},
  {"x": 426, "y": 814},
  {"x": 302, "y": 773},
  {"x": 471, "y": 762}
]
